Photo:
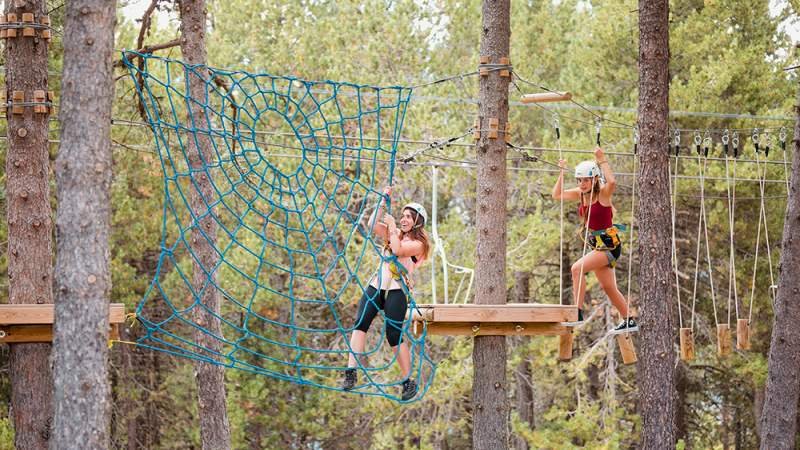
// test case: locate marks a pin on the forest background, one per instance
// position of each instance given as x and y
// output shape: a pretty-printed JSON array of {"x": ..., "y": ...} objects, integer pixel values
[{"x": 726, "y": 57}]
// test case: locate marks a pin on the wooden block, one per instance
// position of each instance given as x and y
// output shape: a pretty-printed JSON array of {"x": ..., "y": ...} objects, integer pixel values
[
  {"x": 547, "y": 97},
  {"x": 476, "y": 133},
  {"x": 482, "y": 70},
  {"x": 40, "y": 97},
  {"x": 687, "y": 344},
  {"x": 494, "y": 329},
  {"x": 494, "y": 125},
  {"x": 28, "y": 32},
  {"x": 3, "y": 100},
  {"x": 45, "y": 20},
  {"x": 17, "y": 97},
  {"x": 3, "y": 33},
  {"x": 626, "y": 348},
  {"x": 505, "y": 73},
  {"x": 743, "y": 334},
  {"x": 507, "y": 133},
  {"x": 44, "y": 314},
  {"x": 510, "y": 313},
  {"x": 565, "y": 346},
  {"x": 724, "y": 343},
  {"x": 11, "y": 32},
  {"x": 113, "y": 332}
]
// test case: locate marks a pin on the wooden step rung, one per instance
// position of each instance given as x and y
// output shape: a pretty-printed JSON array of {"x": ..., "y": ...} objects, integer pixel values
[
  {"x": 626, "y": 348},
  {"x": 687, "y": 344},
  {"x": 724, "y": 343},
  {"x": 743, "y": 334}
]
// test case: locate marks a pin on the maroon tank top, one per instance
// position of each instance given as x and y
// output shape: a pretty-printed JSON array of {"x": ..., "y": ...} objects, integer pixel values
[{"x": 600, "y": 217}]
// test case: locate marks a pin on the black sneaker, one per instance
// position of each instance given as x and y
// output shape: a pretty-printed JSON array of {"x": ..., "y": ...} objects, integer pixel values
[
  {"x": 627, "y": 325},
  {"x": 580, "y": 315},
  {"x": 409, "y": 389},
  {"x": 350, "y": 379}
]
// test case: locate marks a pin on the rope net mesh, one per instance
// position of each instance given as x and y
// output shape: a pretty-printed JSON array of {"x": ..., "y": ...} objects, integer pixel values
[{"x": 292, "y": 251}]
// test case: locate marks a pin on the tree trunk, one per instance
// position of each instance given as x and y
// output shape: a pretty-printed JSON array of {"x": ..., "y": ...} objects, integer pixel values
[
  {"x": 82, "y": 275},
  {"x": 656, "y": 373},
  {"x": 489, "y": 390},
  {"x": 681, "y": 414},
  {"x": 214, "y": 426},
  {"x": 523, "y": 372},
  {"x": 30, "y": 229},
  {"x": 779, "y": 414}
]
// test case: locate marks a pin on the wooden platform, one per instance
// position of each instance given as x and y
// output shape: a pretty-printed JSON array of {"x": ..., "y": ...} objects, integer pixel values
[
  {"x": 34, "y": 323},
  {"x": 513, "y": 319}
]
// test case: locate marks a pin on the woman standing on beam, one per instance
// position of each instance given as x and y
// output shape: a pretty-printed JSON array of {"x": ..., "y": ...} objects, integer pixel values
[{"x": 597, "y": 230}]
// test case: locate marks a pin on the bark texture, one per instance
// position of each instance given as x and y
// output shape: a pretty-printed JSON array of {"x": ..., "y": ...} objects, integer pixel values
[
  {"x": 656, "y": 374},
  {"x": 82, "y": 274},
  {"x": 215, "y": 431},
  {"x": 489, "y": 389},
  {"x": 30, "y": 230},
  {"x": 779, "y": 414}
]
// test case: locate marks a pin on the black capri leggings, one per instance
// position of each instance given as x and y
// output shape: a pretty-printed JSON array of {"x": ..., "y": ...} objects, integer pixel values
[{"x": 394, "y": 305}]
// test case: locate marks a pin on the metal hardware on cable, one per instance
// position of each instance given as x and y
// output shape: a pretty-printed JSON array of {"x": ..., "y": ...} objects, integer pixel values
[
  {"x": 697, "y": 141},
  {"x": 782, "y": 138},
  {"x": 707, "y": 144},
  {"x": 755, "y": 138},
  {"x": 725, "y": 139}
]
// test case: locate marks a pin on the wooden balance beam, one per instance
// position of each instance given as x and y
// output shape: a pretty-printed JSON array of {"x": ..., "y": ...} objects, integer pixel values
[
  {"x": 512, "y": 319},
  {"x": 34, "y": 323}
]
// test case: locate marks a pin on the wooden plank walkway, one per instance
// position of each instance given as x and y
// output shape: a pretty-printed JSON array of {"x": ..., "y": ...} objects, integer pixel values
[{"x": 34, "y": 323}]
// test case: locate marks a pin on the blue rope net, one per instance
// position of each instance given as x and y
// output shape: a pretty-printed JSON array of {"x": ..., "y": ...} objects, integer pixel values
[{"x": 294, "y": 175}]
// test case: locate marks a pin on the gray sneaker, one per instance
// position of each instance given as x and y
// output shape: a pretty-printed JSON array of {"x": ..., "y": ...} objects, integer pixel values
[
  {"x": 409, "y": 389},
  {"x": 350, "y": 379}
]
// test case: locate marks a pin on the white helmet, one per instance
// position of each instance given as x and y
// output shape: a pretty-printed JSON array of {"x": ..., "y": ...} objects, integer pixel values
[
  {"x": 587, "y": 169},
  {"x": 420, "y": 210}
]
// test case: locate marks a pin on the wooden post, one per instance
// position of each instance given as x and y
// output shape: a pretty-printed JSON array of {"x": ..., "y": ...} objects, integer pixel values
[
  {"x": 743, "y": 334},
  {"x": 30, "y": 226},
  {"x": 626, "y": 348},
  {"x": 215, "y": 429},
  {"x": 490, "y": 388},
  {"x": 687, "y": 344},
  {"x": 656, "y": 373},
  {"x": 565, "y": 346},
  {"x": 724, "y": 343}
]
